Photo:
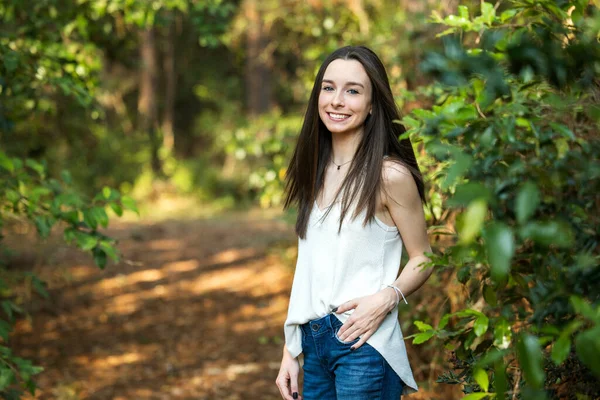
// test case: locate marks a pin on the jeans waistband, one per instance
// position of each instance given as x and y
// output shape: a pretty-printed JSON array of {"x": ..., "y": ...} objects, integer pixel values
[{"x": 318, "y": 326}]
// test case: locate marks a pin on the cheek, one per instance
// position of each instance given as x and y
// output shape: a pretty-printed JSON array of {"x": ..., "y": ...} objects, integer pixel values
[
  {"x": 323, "y": 101},
  {"x": 360, "y": 106}
]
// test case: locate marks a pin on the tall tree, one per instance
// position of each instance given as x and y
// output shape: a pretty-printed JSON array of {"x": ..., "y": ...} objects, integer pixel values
[
  {"x": 170, "y": 75},
  {"x": 147, "y": 103},
  {"x": 258, "y": 72}
]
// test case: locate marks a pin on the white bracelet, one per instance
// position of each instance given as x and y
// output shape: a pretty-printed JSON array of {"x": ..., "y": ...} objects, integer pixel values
[{"x": 398, "y": 293}]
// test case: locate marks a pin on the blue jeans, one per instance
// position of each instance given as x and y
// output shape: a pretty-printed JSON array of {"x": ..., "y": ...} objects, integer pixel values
[{"x": 334, "y": 372}]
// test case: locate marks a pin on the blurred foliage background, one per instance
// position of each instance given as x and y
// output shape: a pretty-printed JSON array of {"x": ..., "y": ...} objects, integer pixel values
[{"x": 203, "y": 99}]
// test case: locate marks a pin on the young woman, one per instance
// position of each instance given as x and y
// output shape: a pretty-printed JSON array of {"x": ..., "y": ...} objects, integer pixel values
[{"x": 359, "y": 194}]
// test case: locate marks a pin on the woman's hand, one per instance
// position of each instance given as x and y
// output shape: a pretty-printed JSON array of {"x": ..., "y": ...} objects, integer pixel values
[
  {"x": 287, "y": 379},
  {"x": 369, "y": 313}
]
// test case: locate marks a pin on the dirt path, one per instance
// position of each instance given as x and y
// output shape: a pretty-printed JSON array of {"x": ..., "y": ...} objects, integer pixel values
[{"x": 196, "y": 313}]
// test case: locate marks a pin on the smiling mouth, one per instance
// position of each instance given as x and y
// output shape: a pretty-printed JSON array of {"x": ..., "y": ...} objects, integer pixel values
[{"x": 338, "y": 117}]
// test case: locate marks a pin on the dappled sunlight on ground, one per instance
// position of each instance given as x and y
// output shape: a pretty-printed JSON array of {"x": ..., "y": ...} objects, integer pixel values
[{"x": 194, "y": 311}]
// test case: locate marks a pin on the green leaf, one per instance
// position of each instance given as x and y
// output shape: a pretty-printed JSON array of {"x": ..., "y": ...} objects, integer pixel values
[
  {"x": 502, "y": 333},
  {"x": 117, "y": 209},
  {"x": 110, "y": 194},
  {"x": 36, "y": 166},
  {"x": 99, "y": 257},
  {"x": 481, "y": 325},
  {"x": 531, "y": 361},
  {"x": 43, "y": 225},
  {"x": 100, "y": 216},
  {"x": 587, "y": 346},
  {"x": 500, "y": 379},
  {"x": 6, "y": 306},
  {"x": 129, "y": 204},
  {"x": 489, "y": 294},
  {"x": 508, "y": 14},
  {"x": 527, "y": 201},
  {"x": 563, "y": 130},
  {"x": 109, "y": 249},
  {"x": 89, "y": 218},
  {"x": 490, "y": 357},
  {"x": 5, "y": 329},
  {"x": 444, "y": 321},
  {"x": 85, "y": 241},
  {"x": 71, "y": 216},
  {"x": 488, "y": 13},
  {"x": 423, "y": 326},
  {"x": 468, "y": 192},
  {"x": 6, "y": 163},
  {"x": 39, "y": 286},
  {"x": 66, "y": 176},
  {"x": 473, "y": 221},
  {"x": 500, "y": 247},
  {"x": 423, "y": 337},
  {"x": 584, "y": 308},
  {"x": 7, "y": 377},
  {"x": 463, "y": 274},
  {"x": 12, "y": 196},
  {"x": 462, "y": 163},
  {"x": 482, "y": 379},
  {"x": 561, "y": 349},
  {"x": 549, "y": 233},
  {"x": 475, "y": 396}
]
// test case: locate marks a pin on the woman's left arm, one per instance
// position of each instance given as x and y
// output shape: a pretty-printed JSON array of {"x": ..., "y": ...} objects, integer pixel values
[{"x": 402, "y": 200}]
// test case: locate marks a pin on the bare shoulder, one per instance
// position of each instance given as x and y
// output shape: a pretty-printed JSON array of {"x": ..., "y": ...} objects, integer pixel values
[
  {"x": 394, "y": 173},
  {"x": 399, "y": 185}
]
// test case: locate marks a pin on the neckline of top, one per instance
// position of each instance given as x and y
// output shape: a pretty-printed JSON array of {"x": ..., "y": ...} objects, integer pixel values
[
  {"x": 321, "y": 211},
  {"x": 378, "y": 221}
]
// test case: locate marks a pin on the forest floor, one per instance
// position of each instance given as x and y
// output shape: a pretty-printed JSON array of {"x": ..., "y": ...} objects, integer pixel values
[{"x": 194, "y": 310}]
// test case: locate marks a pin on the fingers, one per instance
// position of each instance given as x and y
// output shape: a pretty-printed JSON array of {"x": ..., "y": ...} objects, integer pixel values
[
  {"x": 349, "y": 305},
  {"x": 282, "y": 383},
  {"x": 294, "y": 386},
  {"x": 287, "y": 383},
  {"x": 347, "y": 330},
  {"x": 362, "y": 341}
]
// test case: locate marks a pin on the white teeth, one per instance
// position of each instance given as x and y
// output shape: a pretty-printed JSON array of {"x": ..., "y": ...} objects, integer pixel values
[{"x": 338, "y": 116}]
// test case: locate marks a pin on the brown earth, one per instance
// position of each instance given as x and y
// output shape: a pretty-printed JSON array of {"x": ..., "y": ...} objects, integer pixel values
[{"x": 194, "y": 311}]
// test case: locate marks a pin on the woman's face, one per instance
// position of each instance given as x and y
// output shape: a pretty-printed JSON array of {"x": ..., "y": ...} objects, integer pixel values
[{"x": 345, "y": 97}]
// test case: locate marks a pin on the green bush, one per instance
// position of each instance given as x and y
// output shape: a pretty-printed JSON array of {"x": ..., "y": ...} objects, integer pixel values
[
  {"x": 27, "y": 193},
  {"x": 512, "y": 140}
]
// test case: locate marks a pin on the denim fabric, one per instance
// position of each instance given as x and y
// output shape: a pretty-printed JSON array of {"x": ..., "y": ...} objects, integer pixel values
[{"x": 334, "y": 372}]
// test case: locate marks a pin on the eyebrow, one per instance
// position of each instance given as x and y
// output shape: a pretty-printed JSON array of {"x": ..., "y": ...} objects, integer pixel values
[{"x": 347, "y": 83}]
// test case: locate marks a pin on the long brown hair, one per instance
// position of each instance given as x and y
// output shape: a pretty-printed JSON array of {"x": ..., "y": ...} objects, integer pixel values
[{"x": 306, "y": 172}]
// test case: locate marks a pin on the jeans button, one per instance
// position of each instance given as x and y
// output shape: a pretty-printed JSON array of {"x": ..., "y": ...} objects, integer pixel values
[{"x": 315, "y": 327}]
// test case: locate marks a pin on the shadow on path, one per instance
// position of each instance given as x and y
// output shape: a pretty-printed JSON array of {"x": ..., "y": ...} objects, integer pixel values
[{"x": 195, "y": 313}]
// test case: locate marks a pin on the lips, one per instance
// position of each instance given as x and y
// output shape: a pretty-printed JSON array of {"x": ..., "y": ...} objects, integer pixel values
[{"x": 337, "y": 117}]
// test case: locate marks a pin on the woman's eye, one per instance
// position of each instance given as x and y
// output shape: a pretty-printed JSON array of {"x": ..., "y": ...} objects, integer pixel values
[
  {"x": 353, "y": 91},
  {"x": 327, "y": 88}
]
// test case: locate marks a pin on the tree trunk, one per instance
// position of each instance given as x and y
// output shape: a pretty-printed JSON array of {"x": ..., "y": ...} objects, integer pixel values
[
  {"x": 168, "y": 129},
  {"x": 258, "y": 71},
  {"x": 147, "y": 105}
]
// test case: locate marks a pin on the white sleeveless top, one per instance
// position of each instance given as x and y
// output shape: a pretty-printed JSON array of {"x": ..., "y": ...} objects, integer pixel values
[{"x": 334, "y": 268}]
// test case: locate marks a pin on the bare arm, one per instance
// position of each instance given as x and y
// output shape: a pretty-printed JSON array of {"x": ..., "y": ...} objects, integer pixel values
[{"x": 401, "y": 198}]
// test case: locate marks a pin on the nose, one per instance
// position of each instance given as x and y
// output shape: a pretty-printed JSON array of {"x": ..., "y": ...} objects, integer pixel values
[{"x": 338, "y": 99}]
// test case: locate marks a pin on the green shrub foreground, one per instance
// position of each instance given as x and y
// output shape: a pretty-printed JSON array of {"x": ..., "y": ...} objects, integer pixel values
[
  {"x": 513, "y": 144},
  {"x": 27, "y": 194}
]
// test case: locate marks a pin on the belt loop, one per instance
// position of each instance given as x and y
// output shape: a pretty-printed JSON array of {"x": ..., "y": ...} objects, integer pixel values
[{"x": 329, "y": 322}]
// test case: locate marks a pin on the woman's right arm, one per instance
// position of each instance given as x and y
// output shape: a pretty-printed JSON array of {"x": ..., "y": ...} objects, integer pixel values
[{"x": 287, "y": 379}]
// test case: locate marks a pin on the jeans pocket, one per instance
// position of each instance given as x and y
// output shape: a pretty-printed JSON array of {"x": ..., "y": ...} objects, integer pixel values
[{"x": 335, "y": 335}]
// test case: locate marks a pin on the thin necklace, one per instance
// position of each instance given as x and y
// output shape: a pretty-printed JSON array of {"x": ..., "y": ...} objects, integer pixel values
[{"x": 339, "y": 165}]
